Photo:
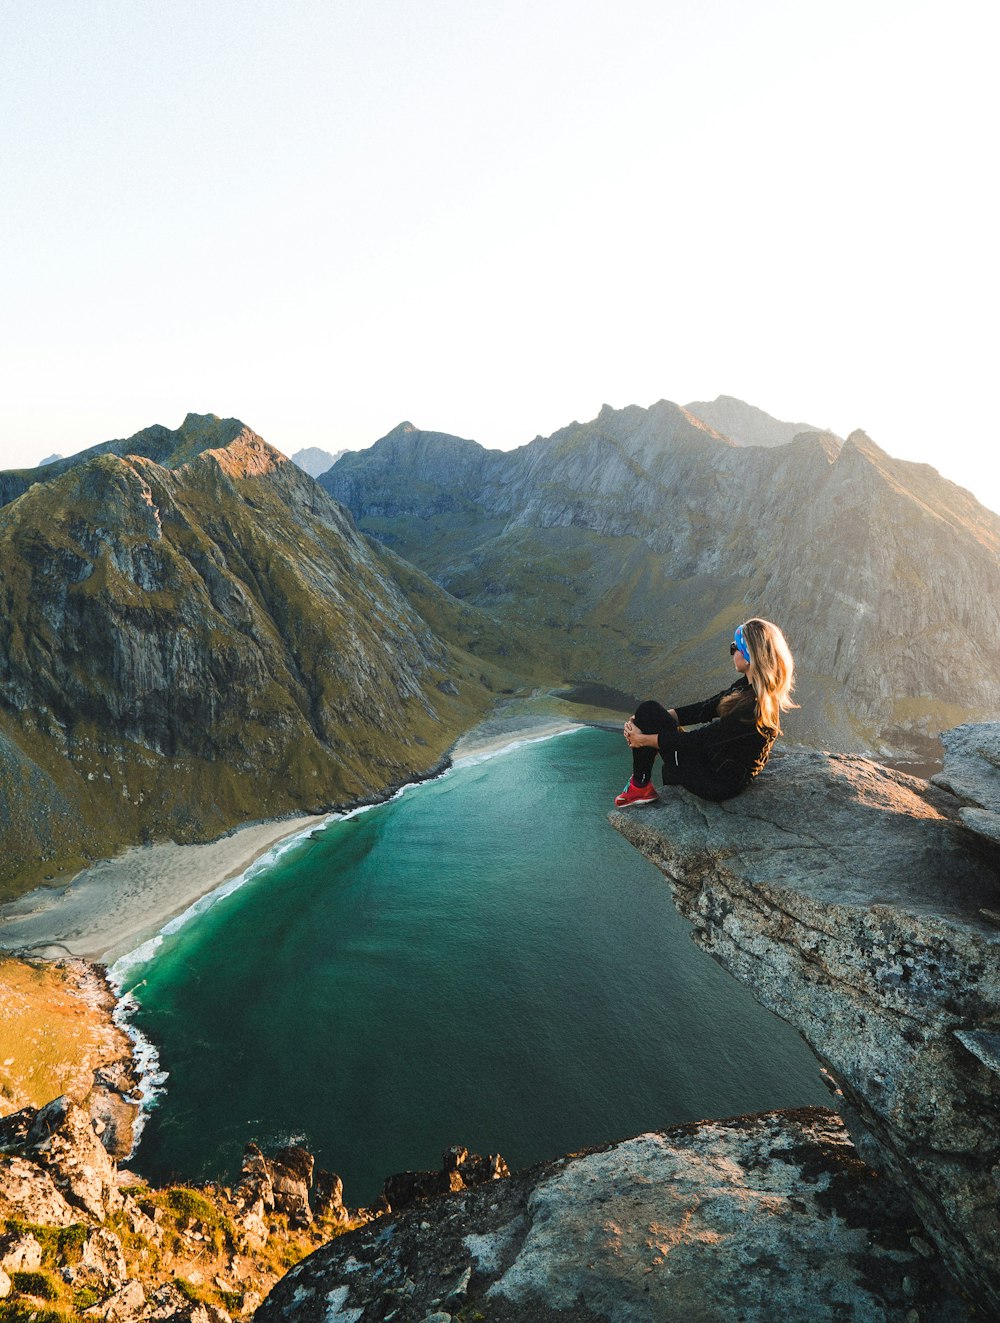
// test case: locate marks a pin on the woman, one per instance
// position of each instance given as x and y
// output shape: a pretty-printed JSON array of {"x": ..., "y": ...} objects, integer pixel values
[{"x": 723, "y": 757}]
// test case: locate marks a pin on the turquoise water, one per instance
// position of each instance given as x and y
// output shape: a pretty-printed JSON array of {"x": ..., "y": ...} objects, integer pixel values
[{"x": 482, "y": 961}]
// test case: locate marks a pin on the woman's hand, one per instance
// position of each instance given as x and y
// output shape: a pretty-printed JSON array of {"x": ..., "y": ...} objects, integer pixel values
[{"x": 634, "y": 737}]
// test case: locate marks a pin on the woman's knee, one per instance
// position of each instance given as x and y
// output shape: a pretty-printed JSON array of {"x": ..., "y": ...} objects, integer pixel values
[{"x": 652, "y": 717}]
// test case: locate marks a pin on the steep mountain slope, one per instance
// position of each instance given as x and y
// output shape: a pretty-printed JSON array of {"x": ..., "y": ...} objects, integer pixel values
[
  {"x": 203, "y": 639},
  {"x": 635, "y": 541}
]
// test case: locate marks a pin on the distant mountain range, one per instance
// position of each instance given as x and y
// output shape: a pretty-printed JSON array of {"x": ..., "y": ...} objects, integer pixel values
[
  {"x": 195, "y": 633},
  {"x": 640, "y": 539},
  {"x": 315, "y": 461}
]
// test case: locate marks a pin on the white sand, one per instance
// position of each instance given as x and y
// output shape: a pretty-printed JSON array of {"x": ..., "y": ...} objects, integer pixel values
[
  {"x": 118, "y": 904},
  {"x": 488, "y": 739}
]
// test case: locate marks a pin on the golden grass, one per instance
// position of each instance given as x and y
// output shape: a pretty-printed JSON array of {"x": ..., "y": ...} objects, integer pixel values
[{"x": 54, "y": 1033}]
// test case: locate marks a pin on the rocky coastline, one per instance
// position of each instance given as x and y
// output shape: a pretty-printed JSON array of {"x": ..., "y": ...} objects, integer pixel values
[{"x": 82, "y": 1237}]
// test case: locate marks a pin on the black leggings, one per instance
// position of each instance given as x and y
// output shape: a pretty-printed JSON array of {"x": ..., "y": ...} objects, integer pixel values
[
  {"x": 696, "y": 774},
  {"x": 652, "y": 718}
]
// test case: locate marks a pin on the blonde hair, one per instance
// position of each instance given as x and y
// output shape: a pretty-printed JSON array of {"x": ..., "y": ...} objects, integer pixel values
[{"x": 772, "y": 674}]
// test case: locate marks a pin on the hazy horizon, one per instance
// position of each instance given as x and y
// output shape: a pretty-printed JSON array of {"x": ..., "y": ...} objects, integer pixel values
[{"x": 326, "y": 219}]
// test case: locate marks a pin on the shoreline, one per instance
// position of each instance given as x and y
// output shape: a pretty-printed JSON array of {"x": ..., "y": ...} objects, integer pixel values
[
  {"x": 114, "y": 906},
  {"x": 113, "y": 909}
]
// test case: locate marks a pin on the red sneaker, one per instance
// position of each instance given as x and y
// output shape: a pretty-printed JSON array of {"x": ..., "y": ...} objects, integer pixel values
[{"x": 633, "y": 794}]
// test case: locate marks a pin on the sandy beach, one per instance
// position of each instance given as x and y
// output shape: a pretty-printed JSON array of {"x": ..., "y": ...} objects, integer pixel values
[
  {"x": 116, "y": 905},
  {"x": 113, "y": 907}
]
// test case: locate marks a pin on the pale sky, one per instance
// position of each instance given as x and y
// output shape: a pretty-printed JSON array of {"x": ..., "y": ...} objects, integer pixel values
[{"x": 326, "y": 217}]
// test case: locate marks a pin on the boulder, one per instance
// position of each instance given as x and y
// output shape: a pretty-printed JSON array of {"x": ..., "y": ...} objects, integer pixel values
[
  {"x": 5, "y": 1285},
  {"x": 123, "y": 1305},
  {"x": 850, "y": 899},
  {"x": 103, "y": 1258},
  {"x": 972, "y": 772},
  {"x": 291, "y": 1173},
  {"x": 20, "y": 1252},
  {"x": 756, "y": 1218},
  {"x": 168, "y": 1304},
  {"x": 113, "y": 1118},
  {"x": 328, "y": 1198},
  {"x": 141, "y": 1223},
  {"x": 254, "y": 1185}
]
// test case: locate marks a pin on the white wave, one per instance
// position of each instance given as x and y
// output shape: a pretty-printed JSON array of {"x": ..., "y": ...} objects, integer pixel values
[{"x": 145, "y": 1058}]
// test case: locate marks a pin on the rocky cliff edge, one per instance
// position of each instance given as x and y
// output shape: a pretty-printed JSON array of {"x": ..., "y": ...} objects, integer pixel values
[{"x": 861, "y": 905}]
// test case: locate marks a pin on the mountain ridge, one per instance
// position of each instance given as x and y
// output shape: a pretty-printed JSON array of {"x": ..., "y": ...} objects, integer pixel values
[{"x": 648, "y": 533}]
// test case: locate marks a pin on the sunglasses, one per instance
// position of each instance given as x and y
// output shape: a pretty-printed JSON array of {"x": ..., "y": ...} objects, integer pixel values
[{"x": 733, "y": 649}]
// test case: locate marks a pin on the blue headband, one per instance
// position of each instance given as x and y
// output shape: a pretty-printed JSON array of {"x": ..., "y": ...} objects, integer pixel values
[{"x": 741, "y": 643}]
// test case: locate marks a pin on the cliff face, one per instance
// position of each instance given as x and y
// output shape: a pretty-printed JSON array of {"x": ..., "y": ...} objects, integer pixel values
[
  {"x": 860, "y": 905},
  {"x": 205, "y": 638},
  {"x": 633, "y": 541}
]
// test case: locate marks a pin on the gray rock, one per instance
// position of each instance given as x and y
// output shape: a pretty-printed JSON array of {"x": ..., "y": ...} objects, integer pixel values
[
  {"x": 291, "y": 1173},
  {"x": 848, "y": 898},
  {"x": 755, "y": 1218},
  {"x": 28, "y": 1192},
  {"x": 167, "y": 1304},
  {"x": 114, "y": 1118},
  {"x": 103, "y": 1257},
  {"x": 972, "y": 764},
  {"x": 249, "y": 1303},
  {"x": 20, "y": 1252},
  {"x": 972, "y": 772},
  {"x": 5, "y": 1285},
  {"x": 280, "y": 1184},
  {"x": 328, "y": 1198},
  {"x": 123, "y": 1305}
]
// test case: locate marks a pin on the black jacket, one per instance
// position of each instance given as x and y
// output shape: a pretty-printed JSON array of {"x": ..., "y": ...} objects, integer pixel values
[{"x": 722, "y": 757}]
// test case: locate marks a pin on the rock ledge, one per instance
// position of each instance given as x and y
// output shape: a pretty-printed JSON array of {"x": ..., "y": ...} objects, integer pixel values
[{"x": 857, "y": 903}]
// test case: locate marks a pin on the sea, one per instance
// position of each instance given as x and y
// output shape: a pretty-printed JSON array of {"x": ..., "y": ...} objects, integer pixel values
[{"x": 482, "y": 961}]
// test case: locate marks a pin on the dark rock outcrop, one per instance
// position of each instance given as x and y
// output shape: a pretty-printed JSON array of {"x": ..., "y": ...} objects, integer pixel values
[
  {"x": 854, "y": 901},
  {"x": 757, "y": 1218},
  {"x": 460, "y": 1170}
]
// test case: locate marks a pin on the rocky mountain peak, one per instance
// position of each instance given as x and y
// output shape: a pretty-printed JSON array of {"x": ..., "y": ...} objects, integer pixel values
[
  {"x": 745, "y": 424},
  {"x": 405, "y": 428}
]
